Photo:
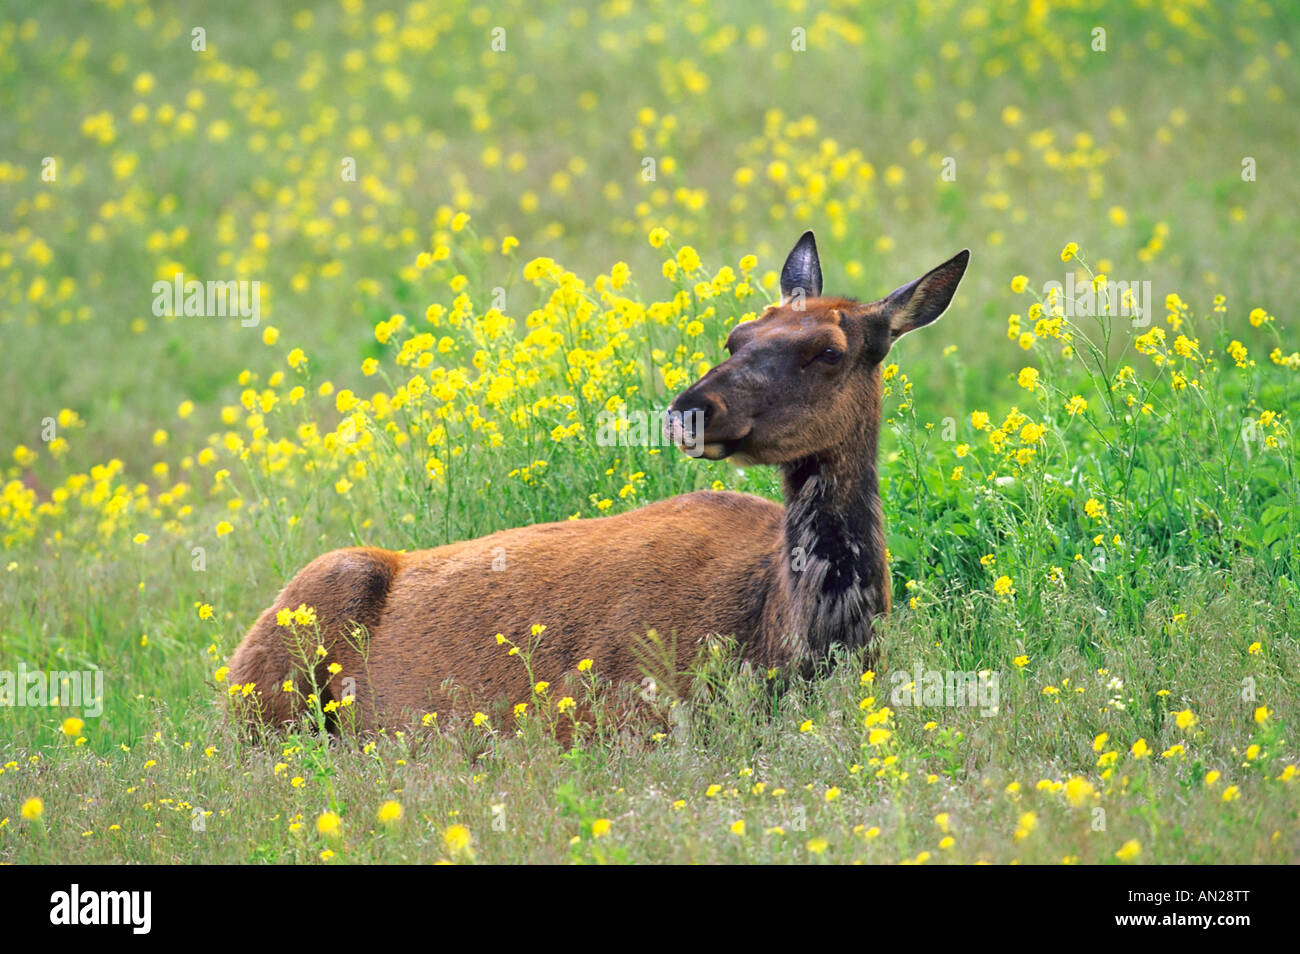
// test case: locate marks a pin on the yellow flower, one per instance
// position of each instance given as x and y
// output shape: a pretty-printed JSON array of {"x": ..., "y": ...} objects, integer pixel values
[
  {"x": 457, "y": 841},
  {"x": 1019, "y": 284},
  {"x": 1020, "y": 662},
  {"x": 584, "y": 665},
  {"x": 817, "y": 845},
  {"x": 1002, "y": 586},
  {"x": 1026, "y": 825},
  {"x": 688, "y": 260},
  {"x": 1129, "y": 850},
  {"x": 390, "y": 812},
  {"x": 1069, "y": 251},
  {"x": 738, "y": 827},
  {"x": 1231, "y": 793},
  {"x": 658, "y": 237},
  {"x": 72, "y": 727},
  {"x": 1140, "y": 749},
  {"x": 1028, "y": 378},
  {"x": 1185, "y": 719},
  {"x": 33, "y": 808},
  {"x": 1078, "y": 791},
  {"x": 328, "y": 824},
  {"x": 1262, "y": 714},
  {"x": 600, "y": 828}
]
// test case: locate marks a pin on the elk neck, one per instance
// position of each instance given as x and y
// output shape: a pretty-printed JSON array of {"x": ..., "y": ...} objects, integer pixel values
[{"x": 832, "y": 574}]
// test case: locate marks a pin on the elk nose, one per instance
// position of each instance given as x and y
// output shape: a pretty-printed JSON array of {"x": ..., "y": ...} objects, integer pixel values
[
  {"x": 697, "y": 410},
  {"x": 690, "y": 414}
]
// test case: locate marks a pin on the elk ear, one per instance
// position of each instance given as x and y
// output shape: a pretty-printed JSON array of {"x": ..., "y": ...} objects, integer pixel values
[
  {"x": 920, "y": 302},
  {"x": 801, "y": 277}
]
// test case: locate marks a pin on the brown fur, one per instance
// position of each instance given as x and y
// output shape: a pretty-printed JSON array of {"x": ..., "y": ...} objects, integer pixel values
[{"x": 416, "y": 632}]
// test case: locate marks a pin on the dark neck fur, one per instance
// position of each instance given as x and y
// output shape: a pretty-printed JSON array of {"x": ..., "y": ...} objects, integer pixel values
[{"x": 831, "y": 572}]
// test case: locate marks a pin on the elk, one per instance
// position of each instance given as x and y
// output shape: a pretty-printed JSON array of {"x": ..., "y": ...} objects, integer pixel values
[{"x": 416, "y": 632}]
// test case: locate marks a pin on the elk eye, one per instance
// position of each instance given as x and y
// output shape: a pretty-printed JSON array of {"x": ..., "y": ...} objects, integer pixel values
[{"x": 831, "y": 356}]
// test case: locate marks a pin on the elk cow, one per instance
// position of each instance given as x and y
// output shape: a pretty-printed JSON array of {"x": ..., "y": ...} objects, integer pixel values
[{"x": 801, "y": 390}]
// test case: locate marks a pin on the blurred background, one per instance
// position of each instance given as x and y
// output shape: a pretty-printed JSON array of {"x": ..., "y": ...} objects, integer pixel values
[{"x": 212, "y": 140}]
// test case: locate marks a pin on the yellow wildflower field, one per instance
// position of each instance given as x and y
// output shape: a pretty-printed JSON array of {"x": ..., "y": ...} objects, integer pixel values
[{"x": 282, "y": 278}]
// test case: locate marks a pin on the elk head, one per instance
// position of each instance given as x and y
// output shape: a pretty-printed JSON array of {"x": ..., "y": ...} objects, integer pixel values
[{"x": 804, "y": 377}]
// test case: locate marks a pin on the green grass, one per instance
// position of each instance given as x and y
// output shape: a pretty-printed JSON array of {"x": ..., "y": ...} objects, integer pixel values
[{"x": 1119, "y": 568}]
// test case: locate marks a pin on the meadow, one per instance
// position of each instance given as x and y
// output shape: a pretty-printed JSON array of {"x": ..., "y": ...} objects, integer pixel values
[{"x": 476, "y": 230}]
